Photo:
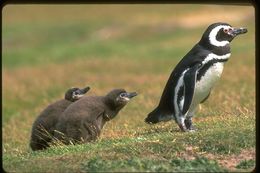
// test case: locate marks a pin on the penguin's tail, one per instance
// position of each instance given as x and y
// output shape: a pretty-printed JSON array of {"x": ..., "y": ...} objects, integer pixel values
[{"x": 157, "y": 116}]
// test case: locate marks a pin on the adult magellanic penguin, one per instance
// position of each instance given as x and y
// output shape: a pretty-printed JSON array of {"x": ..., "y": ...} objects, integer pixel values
[
  {"x": 44, "y": 125},
  {"x": 194, "y": 76}
]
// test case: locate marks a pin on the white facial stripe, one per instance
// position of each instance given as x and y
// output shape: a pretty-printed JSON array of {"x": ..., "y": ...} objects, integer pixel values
[
  {"x": 177, "y": 88},
  {"x": 213, "y": 34},
  {"x": 77, "y": 96},
  {"x": 80, "y": 95},
  {"x": 126, "y": 98},
  {"x": 214, "y": 56}
]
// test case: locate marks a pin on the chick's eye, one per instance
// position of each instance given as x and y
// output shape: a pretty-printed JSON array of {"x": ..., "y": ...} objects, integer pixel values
[
  {"x": 75, "y": 93},
  {"x": 122, "y": 94}
]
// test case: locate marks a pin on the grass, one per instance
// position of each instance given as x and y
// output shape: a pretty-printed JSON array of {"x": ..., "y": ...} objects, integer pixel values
[
  {"x": 136, "y": 164},
  {"x": 44, "y": 56},
  {"x": 246, "y": 164}
]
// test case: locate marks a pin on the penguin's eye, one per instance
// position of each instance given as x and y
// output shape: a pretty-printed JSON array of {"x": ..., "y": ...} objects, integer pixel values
[
  {"x": 226, "y": 30},
  {"x": 123, "y": 95}
]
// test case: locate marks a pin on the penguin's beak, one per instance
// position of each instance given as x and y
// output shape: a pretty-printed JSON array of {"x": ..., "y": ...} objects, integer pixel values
[
  {"x": 81, "y": 92},
  {"x": 84, "y": 90},
  {"x": 131, "y": 94},
  {"x": 128, "y": 95},
  {"x": 236, "y": 31}
]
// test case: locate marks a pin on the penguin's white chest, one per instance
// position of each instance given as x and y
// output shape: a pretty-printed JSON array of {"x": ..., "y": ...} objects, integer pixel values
[{"x": 207, "y": 81}]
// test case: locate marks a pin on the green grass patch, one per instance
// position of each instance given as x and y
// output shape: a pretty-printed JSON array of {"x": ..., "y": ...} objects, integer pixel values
[
  {"x": 158, "y": 143},
  {"x": 246, "y": 164},
  {"x": 200, "y": 164}
]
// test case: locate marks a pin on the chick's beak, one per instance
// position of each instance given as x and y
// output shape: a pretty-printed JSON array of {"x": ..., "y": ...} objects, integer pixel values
[
  {"x": 131, "y": 94},
  {"x": 84, "y": 90}
]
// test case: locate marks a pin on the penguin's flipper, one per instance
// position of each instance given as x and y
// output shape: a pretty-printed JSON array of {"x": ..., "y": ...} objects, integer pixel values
[{"x": 189, "y": 87}]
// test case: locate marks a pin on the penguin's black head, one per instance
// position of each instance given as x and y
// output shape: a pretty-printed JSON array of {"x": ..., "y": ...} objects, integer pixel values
[
  {"x": 74, "y": 94},
  {"x": 220, "y": 34},
  {"x": 118, "y": 98}
]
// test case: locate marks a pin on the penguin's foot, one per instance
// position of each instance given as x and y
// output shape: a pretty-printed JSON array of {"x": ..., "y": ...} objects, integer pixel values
[
  {"x": 191, "y": 131},
  {"x": 193, "y": 128},
  {"x": 183, "y": 127},
  {"x": 189, "y": 125}
]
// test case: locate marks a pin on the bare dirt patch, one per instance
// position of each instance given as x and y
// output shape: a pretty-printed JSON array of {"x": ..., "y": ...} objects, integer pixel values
[
  {"x": 233, "y": 160},
  {"x": 228, "y": 161}
]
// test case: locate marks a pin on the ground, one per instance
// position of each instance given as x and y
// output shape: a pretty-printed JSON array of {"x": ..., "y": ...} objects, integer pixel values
[{"x": 48, "y": 49}]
